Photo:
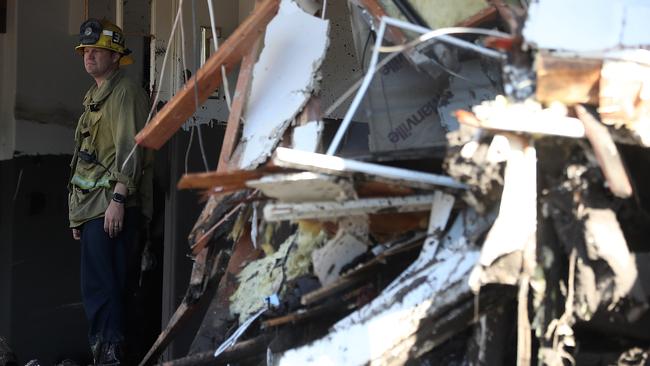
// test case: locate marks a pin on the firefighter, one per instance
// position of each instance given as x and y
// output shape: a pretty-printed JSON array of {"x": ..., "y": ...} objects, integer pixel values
[{"x": 110, "y": 186}]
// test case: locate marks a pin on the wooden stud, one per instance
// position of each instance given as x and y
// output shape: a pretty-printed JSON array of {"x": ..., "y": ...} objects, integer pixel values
[
  {"x": 224, "y": 178},
  {"x": 181, "y": 107},
  {"x": 242, "y": 91},
  {"x": 567, "y": 80}
]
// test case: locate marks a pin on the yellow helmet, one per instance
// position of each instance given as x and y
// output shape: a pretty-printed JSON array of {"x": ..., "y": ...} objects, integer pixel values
[{"x": 103, "y": 34}]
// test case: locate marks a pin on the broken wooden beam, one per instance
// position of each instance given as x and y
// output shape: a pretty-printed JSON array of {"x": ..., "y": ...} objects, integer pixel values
[
  {"x": 331, "y": 209},
  {"x": 520, "y": 118},
  {"x": 567, "y": 80},
  {"x": 607, "y": 154},
  {"x": 322, "y": 163},
  {"x": 222, "y": 178},
  {"x": 181, "y": 107}
]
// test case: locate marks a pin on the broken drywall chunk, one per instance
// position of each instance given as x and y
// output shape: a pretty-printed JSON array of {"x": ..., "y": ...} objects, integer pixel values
[
  {"x": 283, "y": 79},
  {"x": 304, "y": 187},
  {"x": 348, "y": 244}
]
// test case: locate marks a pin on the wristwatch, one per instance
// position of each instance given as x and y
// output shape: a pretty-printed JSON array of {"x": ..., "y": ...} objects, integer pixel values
[{"x": 119, "y": 198}]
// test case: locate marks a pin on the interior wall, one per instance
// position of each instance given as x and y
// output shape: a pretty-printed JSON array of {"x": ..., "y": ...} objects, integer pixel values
[
  {"x": 136, "y": 29},
  {"x": 50, "y": 77},
  {"x": 8, "y": 83},
  {"x": 47, "y": 318},
  {"x": 50, "y": 93}
]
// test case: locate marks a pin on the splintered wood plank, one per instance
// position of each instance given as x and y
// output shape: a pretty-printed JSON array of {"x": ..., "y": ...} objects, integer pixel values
[
  {"x": 518, "y": 119},
  {"x": 181, "y": 107},
  {"x": 238, "y": 103},
  {"x": 606, "y": 153},
  {"x": 331, "y": 209},
  {"x": 302, "y": 187},
  {"x": 567, "y": 80}
]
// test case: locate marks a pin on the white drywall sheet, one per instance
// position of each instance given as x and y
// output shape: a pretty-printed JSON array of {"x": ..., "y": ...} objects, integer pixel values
[
  {"x": 34, "y": 138},
  {"x": 283, "y": 79}
]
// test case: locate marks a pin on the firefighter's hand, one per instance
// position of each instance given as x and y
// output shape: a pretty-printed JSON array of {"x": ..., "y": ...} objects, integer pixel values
[
  {"x": 76, "y": 234},
  {"x": 114, "y": 219}
]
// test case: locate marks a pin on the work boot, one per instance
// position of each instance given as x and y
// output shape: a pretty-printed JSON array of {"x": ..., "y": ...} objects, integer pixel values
[{"x": 110, "y": 355}]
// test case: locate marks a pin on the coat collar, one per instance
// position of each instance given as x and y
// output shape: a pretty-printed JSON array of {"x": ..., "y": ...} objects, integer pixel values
[{"x": 97, "y": 95}]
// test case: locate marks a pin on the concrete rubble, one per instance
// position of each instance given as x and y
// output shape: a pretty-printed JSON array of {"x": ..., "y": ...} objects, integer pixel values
[{"x": 515, "y": 233}]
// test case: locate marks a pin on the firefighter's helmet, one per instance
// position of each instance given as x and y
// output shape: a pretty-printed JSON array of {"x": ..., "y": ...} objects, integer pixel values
[{"x": 103, "y": 34}]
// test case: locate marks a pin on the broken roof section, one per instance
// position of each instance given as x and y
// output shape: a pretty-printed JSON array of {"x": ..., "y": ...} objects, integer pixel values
[{"x": 499, "y": 240}]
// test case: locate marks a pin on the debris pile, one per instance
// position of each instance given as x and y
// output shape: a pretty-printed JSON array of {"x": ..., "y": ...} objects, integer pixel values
[{"x": 520, "y": 218}]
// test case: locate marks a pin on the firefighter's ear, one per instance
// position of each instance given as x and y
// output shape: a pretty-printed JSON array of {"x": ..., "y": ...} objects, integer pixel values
[{"x": 115, "y": 57}]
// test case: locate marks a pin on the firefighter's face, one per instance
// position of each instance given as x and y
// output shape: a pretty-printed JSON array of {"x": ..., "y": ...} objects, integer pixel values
[{"x": 100, "y": 62}]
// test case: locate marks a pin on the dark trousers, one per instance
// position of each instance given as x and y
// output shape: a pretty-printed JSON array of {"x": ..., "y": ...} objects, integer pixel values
[{"x": 105, "y": 275}]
